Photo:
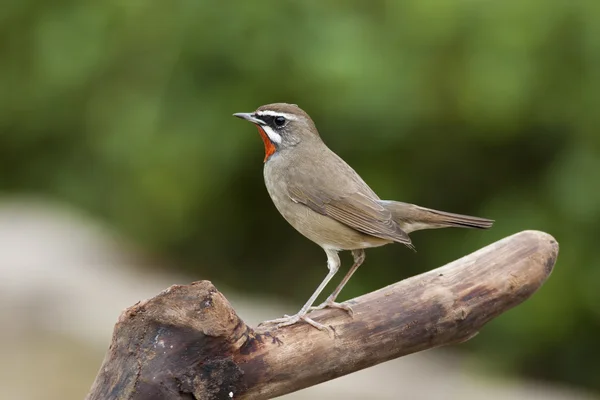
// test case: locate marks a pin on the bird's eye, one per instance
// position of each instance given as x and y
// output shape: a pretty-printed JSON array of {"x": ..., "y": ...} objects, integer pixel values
[{"x": 279, "y": 121}]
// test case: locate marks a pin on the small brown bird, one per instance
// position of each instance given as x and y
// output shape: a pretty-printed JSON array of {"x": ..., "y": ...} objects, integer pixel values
[{"x": 324, "y": 199}]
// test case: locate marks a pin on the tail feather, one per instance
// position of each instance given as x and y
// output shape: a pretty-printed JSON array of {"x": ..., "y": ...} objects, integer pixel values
[
  {"x": 460, "y": 220},
  {"x": 412, "y": 218}
]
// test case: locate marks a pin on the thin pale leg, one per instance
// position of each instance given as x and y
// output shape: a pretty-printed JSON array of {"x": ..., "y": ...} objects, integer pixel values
[
  {"x": 359, "y": 258},
  {"x": 333, "y": 263}
]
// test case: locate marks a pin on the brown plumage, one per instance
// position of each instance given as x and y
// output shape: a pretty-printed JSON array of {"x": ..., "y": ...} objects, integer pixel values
[{"x": 323, "y": 198}]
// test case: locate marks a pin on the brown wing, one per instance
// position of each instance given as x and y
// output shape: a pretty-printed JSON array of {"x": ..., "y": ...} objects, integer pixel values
[{"x": 356, "y": 210}]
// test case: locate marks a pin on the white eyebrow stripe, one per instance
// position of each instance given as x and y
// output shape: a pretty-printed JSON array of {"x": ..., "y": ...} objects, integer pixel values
[
  {"x": 276, "y": 114},
  {"x": 274, "y": 136}
]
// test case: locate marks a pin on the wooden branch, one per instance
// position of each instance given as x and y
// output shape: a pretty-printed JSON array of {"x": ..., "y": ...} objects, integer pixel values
[{"x": 188, "y": 342}]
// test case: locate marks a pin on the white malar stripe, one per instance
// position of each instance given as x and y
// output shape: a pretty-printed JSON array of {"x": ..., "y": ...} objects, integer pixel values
[
  {"x": 270, "y": 113},
  {"x": 274, "y": 136}
]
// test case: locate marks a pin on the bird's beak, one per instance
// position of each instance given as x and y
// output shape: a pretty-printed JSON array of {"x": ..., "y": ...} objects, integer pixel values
[{"x": 249, "y": 117}]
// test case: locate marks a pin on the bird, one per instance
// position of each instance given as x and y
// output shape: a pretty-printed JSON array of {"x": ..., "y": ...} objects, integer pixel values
[{"x": 328, "y": 202}]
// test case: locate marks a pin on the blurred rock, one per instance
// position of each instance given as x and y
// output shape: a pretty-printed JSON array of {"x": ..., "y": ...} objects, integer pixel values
[{"x": 64, "y": 280}]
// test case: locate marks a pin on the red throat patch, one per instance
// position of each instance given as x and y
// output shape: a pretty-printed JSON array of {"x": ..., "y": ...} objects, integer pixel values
[{"x": 269, "y": 146}]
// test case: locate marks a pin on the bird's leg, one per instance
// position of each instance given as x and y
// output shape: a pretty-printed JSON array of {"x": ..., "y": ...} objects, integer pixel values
[
  {"x": 359, "y": 258},
  {"x": 333, "y": 263}
]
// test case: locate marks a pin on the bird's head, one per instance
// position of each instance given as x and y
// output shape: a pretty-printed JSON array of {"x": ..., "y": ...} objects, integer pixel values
[{"x": 281, "y": 126}]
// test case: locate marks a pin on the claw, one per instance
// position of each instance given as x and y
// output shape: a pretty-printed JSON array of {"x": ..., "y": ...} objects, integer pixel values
[
  {"x": 288, "y": 320},
  {"x": 333, "y": 304}
]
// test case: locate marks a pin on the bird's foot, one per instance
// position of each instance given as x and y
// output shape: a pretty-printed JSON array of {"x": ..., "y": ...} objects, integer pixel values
[
  {"x": 288, "y": 320},
  {"x": 332, "y": 304}
]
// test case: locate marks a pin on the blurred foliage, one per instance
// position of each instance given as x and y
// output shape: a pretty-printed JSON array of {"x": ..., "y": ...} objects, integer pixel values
[{"x": 482, "y": 107}]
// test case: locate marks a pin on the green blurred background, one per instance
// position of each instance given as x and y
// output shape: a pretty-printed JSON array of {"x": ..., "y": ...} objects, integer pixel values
[{"x": 123, "y": 109}]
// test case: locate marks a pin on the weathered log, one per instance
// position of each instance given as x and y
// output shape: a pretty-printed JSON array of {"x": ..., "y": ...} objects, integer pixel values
[{"x": 188, "y": 342}]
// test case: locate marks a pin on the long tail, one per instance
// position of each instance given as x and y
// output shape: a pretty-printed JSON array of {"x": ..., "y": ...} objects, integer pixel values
[{"x": 412, "y": 218}]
